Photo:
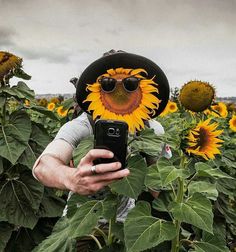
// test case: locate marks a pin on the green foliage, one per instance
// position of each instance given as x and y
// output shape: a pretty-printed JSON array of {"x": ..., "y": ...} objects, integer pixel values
[{"x": 24, "y": 201}]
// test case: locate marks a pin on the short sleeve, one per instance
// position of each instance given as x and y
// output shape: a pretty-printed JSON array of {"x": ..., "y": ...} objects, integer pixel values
[{"x": 74, "y": 131}]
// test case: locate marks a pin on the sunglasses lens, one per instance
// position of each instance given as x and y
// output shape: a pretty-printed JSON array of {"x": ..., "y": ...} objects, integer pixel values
[
  {"x": 108, "y": 84},
  {"x": 131, "y": 83}
]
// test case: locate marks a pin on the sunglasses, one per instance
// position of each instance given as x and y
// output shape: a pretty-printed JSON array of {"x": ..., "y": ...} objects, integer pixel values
[{"x": 130, "y": 84}]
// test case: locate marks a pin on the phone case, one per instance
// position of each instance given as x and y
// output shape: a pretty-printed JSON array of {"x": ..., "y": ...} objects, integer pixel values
[{"x": 111, "y": 135}]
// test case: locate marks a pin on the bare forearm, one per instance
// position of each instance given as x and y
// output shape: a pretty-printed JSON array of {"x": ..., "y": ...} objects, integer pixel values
[{"x": 52, "y": 172}]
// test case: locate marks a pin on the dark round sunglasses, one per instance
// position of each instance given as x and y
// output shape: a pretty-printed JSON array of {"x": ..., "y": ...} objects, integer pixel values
[{"x": 130, "y": 84}]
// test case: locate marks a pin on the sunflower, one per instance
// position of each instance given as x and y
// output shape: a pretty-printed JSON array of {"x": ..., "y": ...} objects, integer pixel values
[
  {"x": 51, "y": 106},
  {"x": 232, "y": 123},
  {"x": 61, "y": 111},
  {"x": 55, "y": 100},
  {"x": 8, "y": 62},
  {"x": 196, "y": 95},
  {"x": 203, "y": 141},
  {"x": 27, "y": 103},
  {"x": 171, "y": 107},
  {"x": 133, "y": 107},
  {"x": 221, "y": 110}
]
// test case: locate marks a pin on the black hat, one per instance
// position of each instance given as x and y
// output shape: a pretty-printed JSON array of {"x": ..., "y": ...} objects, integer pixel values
[{"x": 127, "y": 61}]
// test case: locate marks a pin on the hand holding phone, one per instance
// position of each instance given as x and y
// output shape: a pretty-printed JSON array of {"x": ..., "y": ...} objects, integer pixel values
[{"x": 111, "y": 135}]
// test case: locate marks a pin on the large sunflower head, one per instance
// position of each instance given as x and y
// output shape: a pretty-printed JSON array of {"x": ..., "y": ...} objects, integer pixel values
[
  {"x": 196, "y": 95},
  {"x": 203, "y": 140},
  {"x": 126, "y": 95},
  {"x": 8, "y": 62},
  {"x": 123, "y": 86}
]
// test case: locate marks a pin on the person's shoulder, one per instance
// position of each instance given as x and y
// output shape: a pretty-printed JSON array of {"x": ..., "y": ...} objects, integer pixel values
[{"x": 158, "y": 128}]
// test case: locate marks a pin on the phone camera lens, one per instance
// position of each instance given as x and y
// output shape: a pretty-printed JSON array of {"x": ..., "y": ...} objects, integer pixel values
[{"x": 111, "y": 131}]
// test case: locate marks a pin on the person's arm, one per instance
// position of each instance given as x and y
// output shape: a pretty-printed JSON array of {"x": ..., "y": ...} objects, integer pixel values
[{"x": 53, "y": 172}]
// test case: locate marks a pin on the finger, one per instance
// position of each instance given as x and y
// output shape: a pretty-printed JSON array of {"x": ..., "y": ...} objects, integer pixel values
[
  {"x": 94, "y": 154},
  {"x": 110, "y": 176},
  {"x": 98, "y": 169},
  {"x": 109, "y": 167}
]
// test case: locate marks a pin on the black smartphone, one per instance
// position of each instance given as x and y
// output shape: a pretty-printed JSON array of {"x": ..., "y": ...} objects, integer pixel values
[{"x": 111, "y": 135}]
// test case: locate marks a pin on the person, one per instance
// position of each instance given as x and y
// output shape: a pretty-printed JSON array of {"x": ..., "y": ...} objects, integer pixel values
[{"x": 117, "y": 86}]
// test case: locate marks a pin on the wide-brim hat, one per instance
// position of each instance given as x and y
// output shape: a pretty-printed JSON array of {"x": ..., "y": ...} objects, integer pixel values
[{"x": 122, "y": 60}]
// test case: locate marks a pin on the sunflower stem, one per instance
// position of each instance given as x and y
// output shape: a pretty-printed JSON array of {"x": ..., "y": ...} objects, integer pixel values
[{"x": 179, "y": 199}]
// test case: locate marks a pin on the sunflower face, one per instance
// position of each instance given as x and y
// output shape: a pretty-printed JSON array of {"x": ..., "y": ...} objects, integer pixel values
[
  {"x": 171, "y": 107},
  {"x": 203, "y": 140},
  {"x": 51, "y": 106},
  {"x": 123, "y": 94},
  {"x": 220, "y": 110},
  {"x": 232, "y": 123},
  {"x": 61, "y": 111},
  {"x": 197, "y": 96}
]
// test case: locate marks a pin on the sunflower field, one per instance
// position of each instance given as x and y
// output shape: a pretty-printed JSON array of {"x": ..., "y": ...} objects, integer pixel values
[{"x": 183, "y": 203}]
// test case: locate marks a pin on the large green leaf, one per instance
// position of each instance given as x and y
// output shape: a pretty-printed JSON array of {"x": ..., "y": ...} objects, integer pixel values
[
  {"x": 84, "y": 146},
  {"x": 60, "y": 240},
  {"x": 5, "y": 234},
  {"x": 21, "y": 90},
  {"x": 168, "y": 173},
  {"x": 14, "y": 136},
  {"x": 148, "y": 142},
  {"x": 51, "y": 205},
  {"x": 132, "y": 185},
  {"x": 204, "y": 187},
  {"x": 197, "y": 210},
  {"x": 206, "y": 170},
  {"x": 143, "y": 231},
  {"x": 40, "y": 135},
  {"x": 20, "y": 196},
  {"x": 152, "y": 179},
  {"x": 66, "y": 230}
]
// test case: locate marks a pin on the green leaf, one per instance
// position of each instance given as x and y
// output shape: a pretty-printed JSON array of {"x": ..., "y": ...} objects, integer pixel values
[
  {"x": 40, "y": 135},
  {"x": 1, "y": 166},
  {"x": 14, "y": 136},
  {"x": 21, "y": 91},
  {"x": 84, "y": 146},
  {"x": 68, "y": 103},
  {"x": 143, "y": 231},
  {"x": 197, "y": 211},
  {"x": 21, "y": 74},
  {"x": 206, "y": 170},
  {"x": 5, "y": 234},
  {"x": 208, "y": 247},
  {"x": 74, "y": 200},
  {"x": 60, "y": 240},
  {"x": 132, "y": 185},
  {"x": 20, "y": 196},
  {"x": 206, "y": 188},
  {"x": 51, "y": 205},
  {"x": 110, "y": 204},
  {"x": 148, "y": 142},
  {"x": 45, "y": 112},
  {"x": 168, "y": 173},
  {"x": 66, "y": 230},
  {"x": 152, "y": 179}
]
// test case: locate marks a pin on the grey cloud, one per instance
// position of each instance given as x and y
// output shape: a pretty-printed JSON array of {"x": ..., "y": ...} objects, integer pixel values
[
  {"x": 52, "y": 55},
  {"x": 7, "y": 36}
]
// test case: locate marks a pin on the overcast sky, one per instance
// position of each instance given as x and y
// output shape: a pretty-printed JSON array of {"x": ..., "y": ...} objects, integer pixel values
[{"x": 58, "y": 38}]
